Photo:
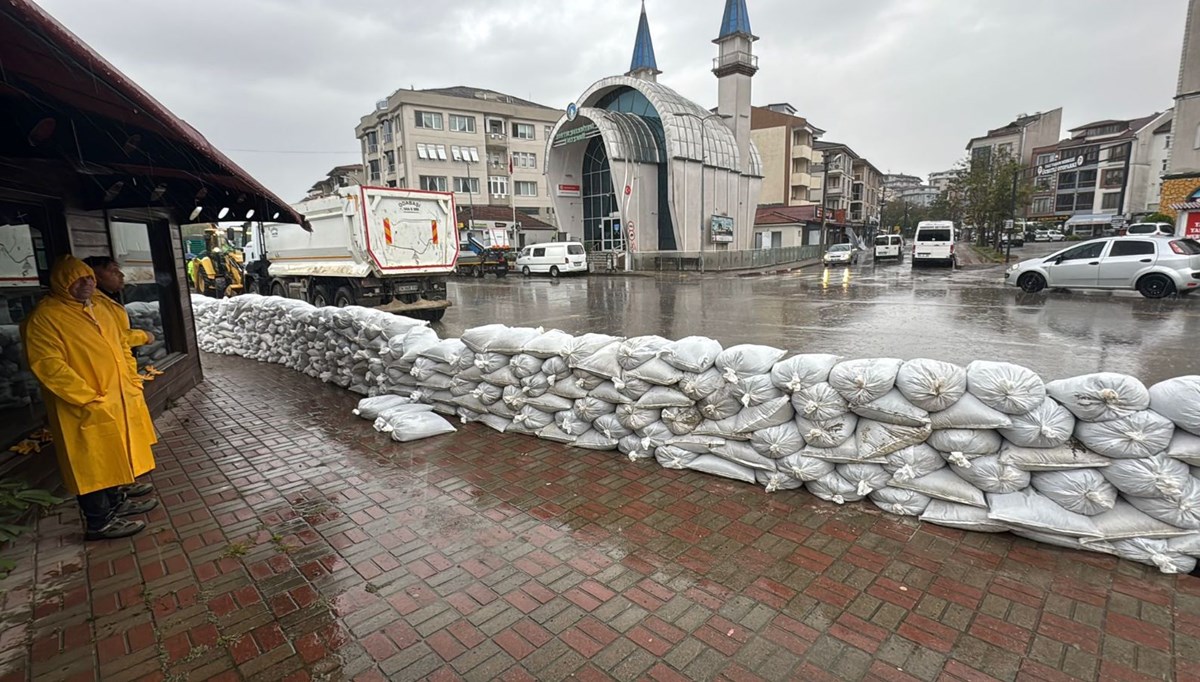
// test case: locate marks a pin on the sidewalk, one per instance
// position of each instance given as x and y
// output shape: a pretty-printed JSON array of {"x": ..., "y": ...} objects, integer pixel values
[{"x": 295, "y": 543}]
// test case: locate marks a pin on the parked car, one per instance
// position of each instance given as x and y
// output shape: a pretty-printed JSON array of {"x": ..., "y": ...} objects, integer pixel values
[
  {"x": 1143, "y": 229},
  {"x": 933, "y": 242},
  {"x": 1153, "y": 266},
  {"x": 1041, "y": 235},
  {"x": 1055, "y": 235},
  {"x": 889, "y": 246},
  {"x": 1018, "y": 239},
  {"x": 555, "y": 258},
  {"x": 840, "y": 254}
]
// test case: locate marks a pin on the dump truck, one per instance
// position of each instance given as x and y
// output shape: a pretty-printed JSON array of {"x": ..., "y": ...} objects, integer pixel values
[{"x": 368, "y": 246}]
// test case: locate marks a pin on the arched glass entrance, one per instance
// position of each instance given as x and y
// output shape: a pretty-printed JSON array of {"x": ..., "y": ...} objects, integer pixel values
[{"x": 601, "y": 223}]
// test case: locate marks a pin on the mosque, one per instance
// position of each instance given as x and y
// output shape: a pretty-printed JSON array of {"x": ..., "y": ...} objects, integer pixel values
[{"x": 635, "y": 169}]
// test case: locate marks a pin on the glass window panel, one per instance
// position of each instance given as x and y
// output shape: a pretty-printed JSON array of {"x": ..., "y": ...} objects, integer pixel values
[{"x": 147, "y": 282}]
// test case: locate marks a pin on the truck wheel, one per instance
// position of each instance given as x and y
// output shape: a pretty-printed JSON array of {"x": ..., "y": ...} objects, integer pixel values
[
  {"x": 479, "y": 272},
  {"x": 503, "y": 272},
  {"x": 554, "y": 271},
  {"x": 320, "y": 297},
  {"x": 343, "y": 297},
  {"x": 435, "y": 315},
  {"x": 525, "y": 271}
]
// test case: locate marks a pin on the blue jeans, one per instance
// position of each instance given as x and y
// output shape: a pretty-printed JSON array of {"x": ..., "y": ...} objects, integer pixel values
[{"x": 100, "y": 507}]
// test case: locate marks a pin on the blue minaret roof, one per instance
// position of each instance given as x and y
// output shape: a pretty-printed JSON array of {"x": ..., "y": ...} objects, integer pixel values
[
  {"x": 643, "y": 47},
  {"x": 736, "y": 19}
]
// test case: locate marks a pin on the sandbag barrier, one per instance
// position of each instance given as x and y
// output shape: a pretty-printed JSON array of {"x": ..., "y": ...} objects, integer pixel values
[{"x": 1097, "y": 462}]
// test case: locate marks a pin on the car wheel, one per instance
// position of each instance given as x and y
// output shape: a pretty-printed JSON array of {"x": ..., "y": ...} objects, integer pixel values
[
  {"x": 554, "y": 271},
  {"x": 1155, "y": 286},
  {"x": 343, "y": 297},
  {"x": 525, "y": 271},
  {"x": 1031, "y": 282}
]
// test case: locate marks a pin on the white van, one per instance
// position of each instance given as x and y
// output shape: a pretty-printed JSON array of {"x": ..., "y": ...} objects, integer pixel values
[
  {"x": 934, "y": 243},
  {"x": 553, "y": 257},
  {"x": 889, "y": 246}
]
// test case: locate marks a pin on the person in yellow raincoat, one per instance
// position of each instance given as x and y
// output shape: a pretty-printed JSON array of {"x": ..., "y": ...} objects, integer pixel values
[{"x": 77, "y": 351}]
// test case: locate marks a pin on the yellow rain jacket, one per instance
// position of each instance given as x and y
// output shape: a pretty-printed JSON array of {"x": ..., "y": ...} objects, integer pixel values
[
  {"x": 102, "y": 430},
  {"x": 143, "y": 462}
]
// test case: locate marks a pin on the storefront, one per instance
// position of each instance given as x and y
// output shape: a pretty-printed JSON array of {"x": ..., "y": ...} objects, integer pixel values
[{"x": 91, "y": 165}]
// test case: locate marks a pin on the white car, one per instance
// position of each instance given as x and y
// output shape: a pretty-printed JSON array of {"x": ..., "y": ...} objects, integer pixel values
[
  {"x": 555, "y": 258},
  {"x": 841, "y": 254},
  {"x": 933, "y": 242},
  {"x": 1153, "y": 266},
  {"x": 1054, "y": 236},
  {"x": 1157, "y": 229},
  {"x": 889, "y": 246}
]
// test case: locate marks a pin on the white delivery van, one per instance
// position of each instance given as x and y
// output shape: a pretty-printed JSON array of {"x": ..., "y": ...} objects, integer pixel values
[
  {"x": 889, "y": 246},
  {"x": 555, "y": 258},
  {"x": 933, "y": 242}
]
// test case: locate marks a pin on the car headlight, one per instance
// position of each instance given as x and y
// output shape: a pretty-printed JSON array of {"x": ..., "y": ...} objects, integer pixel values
[{"x": 1015, "y": 267}]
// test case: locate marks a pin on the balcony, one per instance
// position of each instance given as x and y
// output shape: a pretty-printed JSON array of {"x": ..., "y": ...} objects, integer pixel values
[
  {"x": 736, "y": 60},
  {"x": 801, "y": 180},
  {"x": 496, "y": 140},
  {"x": 802, "y": 151}
]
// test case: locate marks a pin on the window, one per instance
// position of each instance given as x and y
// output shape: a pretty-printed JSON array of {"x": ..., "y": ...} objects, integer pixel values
[
  {"x": 389, "y": 159},
  {"x": 1118, "y": 153},
  {"x": 1131, "y": 247},
  {"x": 373, "y": 166},
  {"x": 524, "y": 160},
  {"x": 441, "y": 151},
  {"x": 1066, "y": 202},
  {"x": 498, "y": 185},
  {"x": 25, "y": 272},
  {"x": 465, "y": 154},
  {"x": 462, "y": 124},
  {"x": 575, "y": 250},
  {"x": 1084, "y": 201},
  {"x": 495, "y": 126},
  {"x": 386, "y": 127},
  {"x": 1167, "y": 141},
  {"x": 1164, "y": 166},
  {"x": 1110, "y": 201},
  {"x": 1005, "y": 149},
  {"x": 1045, "y": 158},
  {"x": 546, "y": 131},
  {"x": 422, "y": 151},
  {"x": 539, "y": 252},
  {"x": 150, "y": 280},
  {"x": 1087, "y": 178},
  {"x": 1042, "y": 205},
  {"x": 466, "y": 185},
  {"x": 523, "y": 131},
  {"x": 433, "y": 183},
  {"x": 1083, "y": 251},
  {"x": 372, "y": 143},
  {"x": 428, "y": 119},
  {"x": 930, "y": 234},
  {"x": 496, "y": 159},
  {"x": 1067, "y": 180},
  {"x": 525, "y": 188},
  {"x": 1044, "y": 182},
  {"x": 1113, "y": 177},
  {"x": 456, "y": 153}
]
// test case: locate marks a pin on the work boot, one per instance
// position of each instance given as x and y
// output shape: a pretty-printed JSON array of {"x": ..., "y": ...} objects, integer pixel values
[
  {"x": 117, "y": 528},
  {"x": 133, "y": 507},
  {"x": 136, "y": 490}
]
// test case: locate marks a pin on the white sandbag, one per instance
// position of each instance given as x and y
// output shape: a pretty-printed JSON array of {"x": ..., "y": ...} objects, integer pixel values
[
  {"x": 515, "y": 397},
  {"x": 656, "y": 371},
  {"x": 845, "y": 453},
  {"x": 968, "y": 442},
  {"x": 692, "y": 353},
  {"x": 499, "y": 409},
  {"x": 1100, "y": 397},
  {"x": 1124, "y": 521},
  {"x": 499, "y": 338},
  {"x": 1046, "y": 426},
  {"x": 594, "y": 440},
  {"x": 369, "y": 408},
  {"x": 1158, "y": 476},
  {"x": 590, "y": 408},
  {"x": 804, "y": 468},
  {"x": 1185, "y": 447},
  {"x": 535, "y": 385},
  {"x": 1064, "y": 541},
  {"x": 828, "y": 433},
  {"x": 601, "y": 363},
  {"x": 720, "y": 404},
  {"x": 502, "y": 377},
  {"x": 1083, "y": 491},
  {"x": 969, "y": 413},
  {"x": 861, "y": 381},
  {"x": 494, "y": 422},
  {"x": 876, "y": 440},
  {"x": 418, "y": 425},
  {"x": 1141, "y": 434},
  {"x": 487, "y": 393},
  {"x": 717, "y": 466},
  {"x": 415, "y": 341},
  {"x": 745, "y": 360},
  {"x": 681, "y": 420},
  {"x": 1181, "y": 512},
  {"x": 1178, "y": 399},
  {"x": 631, "y": 387},
  {"x": 701, "y": 445},
  {"x": 819, "y": 402},
  {"x": 1031, "y": 510},
  {"x": 724, "y": 428},
  {"x": 423, "y": 369},
  {"x": 655, "y": 435},
  {"x": 900, "y": 502},
  {"x": 587, "y": 380},
  {"x": 437, "y": 382},
  {"x": 991, "y": 475},
  {"x": 460, "y": 386},
  {"x": 774, "y": 481},
  {"x": 931, "y": 385},
  {"x": 671, "y": 457},
  {"x": 470, "y": 402},
  {"x": 555, "y": 367},
  {"x": 867, "y": 478},
  {"x": 582, "y": 347},
  {"x": 699, "y": 386},
  {"x": 756, "y": 389},
  {"x": 961, "y": 516},
  {"x": 638, "y": 350},
  {"x": 386, "y": 421},
  {"x": 525, "y": 365},
  {"x": 757, "y": 417},
  {"x": 547, "y": 345},
  {"x": 491, "y": 362},
  {"x": 611, "y": 426},
  {"x": 569, "y": 389},
  {"x": 1008, "y": 388},
  {"x": 569, "y": 422},
  {"x": 944, "y": 484},
  {"x": 833, "y": 488},
  {"x": 661, "y": 397},
  {"x": 446, "y": 351},
  {"x": 893, "y": 408},
  {"x": 777, "y": 441},
  {"x": 1069, "y": 456},
  {"x": 607, "y": 391},
  {"x": 802, "y": 371},
  {"x": 913, "y": 461},
  {"x": 632, "y": 447},
  {"x": 633, "y": 417},
  {"x": 1157, "y": 553},
  {"x": 532, "y": 419},
  {"x": 741, "y": 453},
  {"x": 551, "y": 432}
]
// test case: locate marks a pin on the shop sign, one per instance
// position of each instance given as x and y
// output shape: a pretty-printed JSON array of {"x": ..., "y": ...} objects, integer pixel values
[
  {"x": 721, "y": 229},
  {"x": 569, "y": 191},
  {"x": 1191, "y": 225},
  {"x": 583, "y": 132},
  {"x": 1060, "y": 165}
]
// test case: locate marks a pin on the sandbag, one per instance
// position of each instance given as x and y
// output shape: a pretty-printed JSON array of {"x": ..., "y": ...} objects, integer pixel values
[
  {"x": 602, "y": 363},
  {"x": 369, "y": 408},
  {"x": 970, "y": 442},
  {"x": 701, "y": 445},
  {"x": 991, "y": 475},
  {"x": 1031, "y": 510},
  {"x": 594, "y": 440},
  {"x": 692, "y": 353},
  {"x": 913, "y": 461},
  {"x": 961, "y": 516},
  {"x": 1125, "y": 521},
  {"x": 446, "y": 351},
  {"x": 819, "y": 402},
  {"x": 1083, "y": 491},
  {"x": 611, "y": 426},
  {"x": 893, "y": 408},
  {"x": 756, "y": 389},
  {"x": 568, "y": 388},
  {"x": 699, "y": 386},
  {"x": 491, "y": 362},
  {"x": 499, "y": 338},
  {"x": 1046, "y": 426},
  {"x": 386, "y": 421},
  {"x": 525, "y": 365},
  {"x": 590, "y": 408},
  {"x": 802, "y": 371},
  {"x": 1181, "y": 512},
  {"x": 681, "y": 420},
  {"x": 656, "y": 371},
  {"x": 608, "y": 392},
  {"x": 536, "y": 385},
  {"x": 969, "y": 413},
  {"x": 804, "y": 468},
  {"x": 833, "y": 488},
  {"x": 1157, "y": 553},
  {"x": 710, "y": 464},
  {"x": 1064, "y": 541},
  {"x": 570, "y": 422},
  {"x": 1005, "y": 387},
  {"x": 1185, "y": 447},
  {"x": 944, "y": 484},
  {"x": 1069, "y": 456},
  {"x": 867, "y": 478},
  {"x": 745, "y": 360},
  {"x": 632, "y": 446},
  {"x": 1100, "y": 397},
  {"x": 583, "y": 347},
  {"x": 671, "y": 457},
  {"x": 861, "y": 381},
  {"x": 1158, "y": 476},
  {"x": 638, "y": 350},
  {"x": 418, "y": 425},
  {"x": 547, "y": 345},
  {"x": 845, "y": 453},
  {"x": 829, "y": 433},
  {"x": 1141, "y": 434},
  {"x": 743, "y": 454},
  {"x": 932, "y": 385},
  {"x": 530, "y": 419},
  {"x": 631, "y": 387},
  {"x": 555, "y": 367},
  {"x": 900, "y": 502},
  {"x": 877, "y": 440},
  {"x": 502, "y": 377},
  {"x": 773, "y": 481},
  {"x": 1178, "y": 399},
  {"x": 548, "y": 402},
  {"x": 777, "y": 441},
  {"x": 661, "y": 397},
  {"x": 634, "y": 418},
  {"x": 721, "y": 404},
  {"x": 553, "y": 433},
  {"x": 654, "y": 436},
  {"x": 771, "y": 413},
  {"x": 494, "y": 422}
]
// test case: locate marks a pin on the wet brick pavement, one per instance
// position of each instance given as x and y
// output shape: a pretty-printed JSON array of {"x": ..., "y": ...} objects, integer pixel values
[{"x": 296, "y": 543}]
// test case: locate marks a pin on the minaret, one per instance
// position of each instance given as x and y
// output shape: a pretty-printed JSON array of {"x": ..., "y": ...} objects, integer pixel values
[
  {"x": 1185, "y": 151},
  {"x": 643, "y": 65},
  {"x": 734, "y": 68}
]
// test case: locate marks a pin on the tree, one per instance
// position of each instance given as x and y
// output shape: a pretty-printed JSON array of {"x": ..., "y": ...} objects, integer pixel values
[{"x": 983, "y": 188}]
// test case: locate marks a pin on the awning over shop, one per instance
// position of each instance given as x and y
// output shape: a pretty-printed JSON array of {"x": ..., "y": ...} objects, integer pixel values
[
  {"x": 62, "y": 106},
  {"x": 1091, "y": 219}
]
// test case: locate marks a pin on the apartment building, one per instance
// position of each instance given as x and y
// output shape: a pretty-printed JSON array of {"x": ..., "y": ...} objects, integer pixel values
[
  {"x": 896, "y": 183},
  {"x": 339, "y": 176},
  {"x": 1181, "y": 185},
  {"x": 1019, "y": 138},
  {"x": 487, "y": 147},
  {"x": 785, "y": 143},
  {"x": 941, "y": 180},
  {"x": 833, "y": 178},
  {"x": 866, "y": 193}
]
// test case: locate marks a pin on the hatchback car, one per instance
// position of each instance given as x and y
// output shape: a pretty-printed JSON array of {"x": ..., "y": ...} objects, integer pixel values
[
  {"x": 839, "y": 254},
  {"x": 1152, "y": 266},
  {"x": 1156, "y": 229}
]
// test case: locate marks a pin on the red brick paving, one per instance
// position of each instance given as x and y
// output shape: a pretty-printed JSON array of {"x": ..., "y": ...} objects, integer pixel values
[{"x": 296, "y": 543}]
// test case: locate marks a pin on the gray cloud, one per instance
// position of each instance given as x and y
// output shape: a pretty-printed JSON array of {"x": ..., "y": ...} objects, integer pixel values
[{"x": 904, "y": 82}]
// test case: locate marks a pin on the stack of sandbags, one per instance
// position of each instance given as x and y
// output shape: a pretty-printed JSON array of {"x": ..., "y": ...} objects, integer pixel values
[
  {"x": 18, "y": 388},
  {"x": 147, "y": 316}
]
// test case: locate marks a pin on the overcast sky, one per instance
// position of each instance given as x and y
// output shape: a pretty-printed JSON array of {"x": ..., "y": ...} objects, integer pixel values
[{"x": 904, "y": 82}]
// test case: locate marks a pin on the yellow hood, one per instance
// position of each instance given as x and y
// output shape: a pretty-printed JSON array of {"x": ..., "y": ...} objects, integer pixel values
[{"x": 66, "y": 271}]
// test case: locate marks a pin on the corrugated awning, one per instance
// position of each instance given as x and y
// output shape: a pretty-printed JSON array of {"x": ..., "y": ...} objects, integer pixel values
[
  {"x": 1187, "y": 206},
  {"x": 1091, "y": 219}
]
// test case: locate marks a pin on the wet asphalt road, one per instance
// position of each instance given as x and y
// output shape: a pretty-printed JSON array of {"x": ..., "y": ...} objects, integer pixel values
[{"x": 867, "y": 310}]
